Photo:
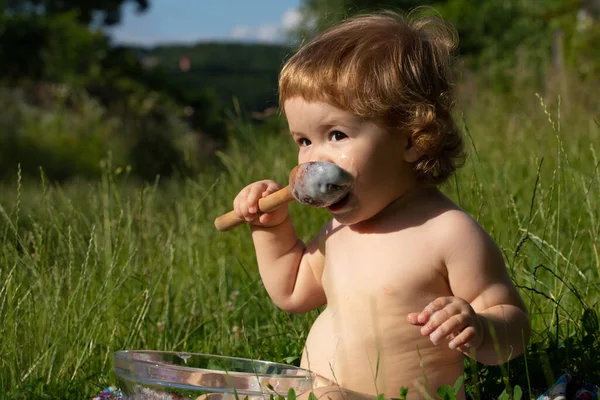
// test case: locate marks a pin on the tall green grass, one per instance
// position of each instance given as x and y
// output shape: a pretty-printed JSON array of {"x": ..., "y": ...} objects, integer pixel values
[{"x": 89, "y": 268}]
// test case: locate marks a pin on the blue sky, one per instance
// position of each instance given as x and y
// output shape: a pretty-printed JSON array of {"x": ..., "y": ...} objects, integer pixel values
[{"x": 204, "y": 20}]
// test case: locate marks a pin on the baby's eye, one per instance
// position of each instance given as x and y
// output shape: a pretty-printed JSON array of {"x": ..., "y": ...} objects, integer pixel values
[
  {"x": 336, "y": 136},
  {"x": 303, "y": 142}
]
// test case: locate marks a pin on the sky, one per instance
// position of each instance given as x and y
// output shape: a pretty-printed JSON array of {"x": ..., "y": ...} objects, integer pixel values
[{"x": 207, "y": 20}]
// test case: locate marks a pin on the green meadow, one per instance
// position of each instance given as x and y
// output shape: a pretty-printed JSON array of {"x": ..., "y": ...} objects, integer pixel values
[{"x": 90, "y": 267}]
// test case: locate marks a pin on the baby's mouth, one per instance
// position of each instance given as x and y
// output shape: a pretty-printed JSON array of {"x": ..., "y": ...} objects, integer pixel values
[{"x": 340, "y": 204}]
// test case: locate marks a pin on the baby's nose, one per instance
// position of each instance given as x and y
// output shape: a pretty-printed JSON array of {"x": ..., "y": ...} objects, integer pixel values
[{"x": 319, "y": 154}]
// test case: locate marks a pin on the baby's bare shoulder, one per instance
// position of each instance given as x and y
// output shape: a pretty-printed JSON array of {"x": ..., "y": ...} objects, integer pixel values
[
  {"x": 465, "y": 244},
  {"x": 457, "y": 229},
  {"x": 453, "y": 220}
]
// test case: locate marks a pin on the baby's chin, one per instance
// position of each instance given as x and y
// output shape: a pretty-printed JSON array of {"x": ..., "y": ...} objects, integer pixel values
[
  {"x": 349, "y": 216},
  {"x": 345, "y": 217},
  {"x": 344, "y": 220},
  {"x": 354, "y": 215},
  {"x": 352, "y": 220}
]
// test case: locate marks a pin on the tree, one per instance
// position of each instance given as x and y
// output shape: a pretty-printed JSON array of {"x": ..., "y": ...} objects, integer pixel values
[
  {"x": 490, "y": 30},
  {"x": 106, "y": 12},
  {"x": 321, "y": 14},
  {"x": 58, "y": 48}
]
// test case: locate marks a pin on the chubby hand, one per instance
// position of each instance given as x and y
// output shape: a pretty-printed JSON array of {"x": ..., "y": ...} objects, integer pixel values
[
  {"x": 450, "y": 318},
  {"x": 245, "y": 204}
]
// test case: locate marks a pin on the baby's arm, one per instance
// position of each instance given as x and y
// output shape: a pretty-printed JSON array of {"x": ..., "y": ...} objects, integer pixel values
[
  {"x": 290, "y": 270},
  {"x": 486, "y": 313}
]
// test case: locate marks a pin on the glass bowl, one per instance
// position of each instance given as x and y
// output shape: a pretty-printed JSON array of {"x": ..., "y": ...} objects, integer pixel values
[{"x": 166, "y": 375}]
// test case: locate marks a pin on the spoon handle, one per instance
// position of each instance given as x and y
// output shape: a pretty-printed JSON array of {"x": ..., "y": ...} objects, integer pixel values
[{"x": 267, "y": 204}]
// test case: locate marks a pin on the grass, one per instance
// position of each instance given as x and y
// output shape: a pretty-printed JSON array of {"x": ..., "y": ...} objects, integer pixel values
[{"x": 89, "y": 268}]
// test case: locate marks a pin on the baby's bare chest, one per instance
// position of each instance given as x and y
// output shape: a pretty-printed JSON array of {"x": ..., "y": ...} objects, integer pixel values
[{"x": 401, "y": 267}]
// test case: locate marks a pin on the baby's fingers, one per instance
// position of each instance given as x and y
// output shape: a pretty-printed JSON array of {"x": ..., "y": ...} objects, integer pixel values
[
  {"x": 471, "y": 337},
  {"x": 256, "y": 192},
  {"x": 272, "y": 187},
  {"x": 259, "y": 192},
  {"x": 465, "y": 340},
  {"x": 241, "y": 208},
  {"x": 455, "y": 323},
  {"x": 245, "y": 203},
  {"x": 413, "y": 318},
  {"x": 432, "y": 308}
]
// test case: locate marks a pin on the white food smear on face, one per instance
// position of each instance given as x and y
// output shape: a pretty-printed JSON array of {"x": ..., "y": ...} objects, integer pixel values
[{"x": 318, "y": 178}]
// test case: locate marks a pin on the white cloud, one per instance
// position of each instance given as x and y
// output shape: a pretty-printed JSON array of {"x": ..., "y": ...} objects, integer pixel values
[
  {"x": 268, "y": 32},
  {"x": 291, "y": 19},
  {"x": 241, "y": 32}
]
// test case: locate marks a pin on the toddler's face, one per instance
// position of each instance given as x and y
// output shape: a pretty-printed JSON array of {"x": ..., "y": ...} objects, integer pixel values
[{"x": 374, "y": 157}]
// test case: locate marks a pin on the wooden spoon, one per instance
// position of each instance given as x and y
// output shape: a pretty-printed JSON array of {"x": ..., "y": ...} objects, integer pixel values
[{"x": 315, "y": 183}]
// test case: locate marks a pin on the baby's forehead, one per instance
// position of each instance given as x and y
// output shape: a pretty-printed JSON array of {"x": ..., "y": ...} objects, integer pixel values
[
  {"x": 301, "y": 124},
  {"x": 322, "y": 111}
]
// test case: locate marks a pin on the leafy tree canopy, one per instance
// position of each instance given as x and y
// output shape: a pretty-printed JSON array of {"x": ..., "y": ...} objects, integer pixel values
[
  {"x": 106, "y": 12},
  {"x": 496, "y": 26}
]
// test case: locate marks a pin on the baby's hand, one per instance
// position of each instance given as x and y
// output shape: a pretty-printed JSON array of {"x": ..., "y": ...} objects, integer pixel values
[
  {"x": 452, "y": 318},
  {"x": 245, "y": 204}
]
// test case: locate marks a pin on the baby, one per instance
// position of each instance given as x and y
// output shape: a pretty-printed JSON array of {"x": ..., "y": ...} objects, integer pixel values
[{"x": 411, "y": 282}]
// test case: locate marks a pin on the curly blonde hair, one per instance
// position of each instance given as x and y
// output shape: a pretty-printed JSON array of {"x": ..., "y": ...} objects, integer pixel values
[{"x": 390, "y": 68}]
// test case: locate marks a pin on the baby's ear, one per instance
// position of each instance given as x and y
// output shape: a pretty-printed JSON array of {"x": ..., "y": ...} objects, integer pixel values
[{"x": 411, "y": 152}]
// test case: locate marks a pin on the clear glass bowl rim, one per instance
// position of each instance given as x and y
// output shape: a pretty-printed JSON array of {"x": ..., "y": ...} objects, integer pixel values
[{"x": 123, "y": 355}]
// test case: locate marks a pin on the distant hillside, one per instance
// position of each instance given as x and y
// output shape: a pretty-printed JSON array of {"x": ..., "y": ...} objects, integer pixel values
[{"x": 246, "y": 71}]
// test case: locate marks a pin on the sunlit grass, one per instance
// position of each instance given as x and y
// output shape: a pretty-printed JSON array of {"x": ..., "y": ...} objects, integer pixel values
[{"x": 88, "y": 268}]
